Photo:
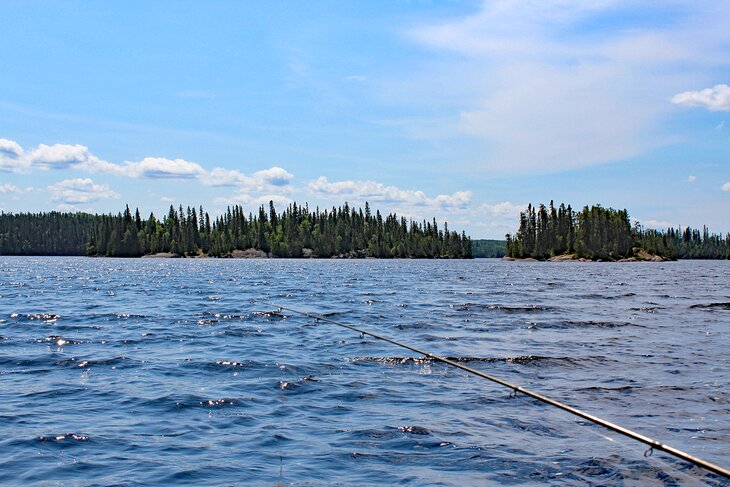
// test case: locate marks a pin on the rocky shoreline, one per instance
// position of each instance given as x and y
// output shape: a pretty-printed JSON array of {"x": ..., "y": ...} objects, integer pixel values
[
  {"x": 252, "y": 253},
  {"x": 640, "y": 256}
]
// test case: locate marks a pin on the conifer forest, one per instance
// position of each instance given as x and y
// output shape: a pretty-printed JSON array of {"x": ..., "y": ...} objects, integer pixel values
[
  {"x": 606, "y": 234},
  {"x": 294, "y": 232}
]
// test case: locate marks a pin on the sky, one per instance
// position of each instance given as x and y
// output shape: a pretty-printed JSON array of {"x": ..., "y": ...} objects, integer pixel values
[{"x": 465, "y": 111}]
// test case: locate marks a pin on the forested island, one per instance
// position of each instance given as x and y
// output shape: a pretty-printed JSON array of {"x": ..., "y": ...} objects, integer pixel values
[
  {"x": 295, "y": 232},
  {"x": 598, "y": 233}
]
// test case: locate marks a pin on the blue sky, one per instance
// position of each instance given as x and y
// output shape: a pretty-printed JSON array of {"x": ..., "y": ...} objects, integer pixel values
[{"x": 465, "y": 111}]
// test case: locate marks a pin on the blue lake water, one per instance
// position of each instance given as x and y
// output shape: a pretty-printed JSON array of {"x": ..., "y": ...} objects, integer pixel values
[{"x": 159, "y": 372}]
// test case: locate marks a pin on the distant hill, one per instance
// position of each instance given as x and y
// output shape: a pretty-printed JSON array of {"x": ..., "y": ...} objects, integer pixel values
[{"x": 488, "y": 248}]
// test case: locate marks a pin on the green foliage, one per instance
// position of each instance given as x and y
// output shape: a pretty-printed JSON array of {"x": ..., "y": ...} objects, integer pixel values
[
  {"x": 685, "y": 244},
  {"x": 51, "y": 233},
  {"x": 340, "y": 231},
  {"x": 605, "y": 233},
  {"x": 488, "y": 248}
]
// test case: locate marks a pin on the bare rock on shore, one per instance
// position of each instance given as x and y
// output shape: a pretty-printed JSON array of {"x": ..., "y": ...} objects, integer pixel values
[
  {"x": 307, "y": 253},
  {"x": 249, "y": 254},
  {"x": 646, "y": 256},
  {"x": 353, "y": 254},
  {"x": 526, "y": 259},
  {"x": 563, "y": 258},
  {"x": 162, "y": 255}
]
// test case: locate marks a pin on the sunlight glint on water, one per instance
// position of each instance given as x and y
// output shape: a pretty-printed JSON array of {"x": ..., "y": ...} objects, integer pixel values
[{"x": 161, "y": 372}]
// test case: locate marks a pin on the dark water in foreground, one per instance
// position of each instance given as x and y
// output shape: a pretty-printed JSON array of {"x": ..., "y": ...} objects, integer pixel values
[{"x": 143, "y": 372}]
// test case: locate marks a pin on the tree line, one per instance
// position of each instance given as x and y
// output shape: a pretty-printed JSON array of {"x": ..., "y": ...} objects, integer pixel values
[
  {"x": 295, "y": 232},
  {"x": 605, "y": 233},
  {"x": 486, "y": 248}
]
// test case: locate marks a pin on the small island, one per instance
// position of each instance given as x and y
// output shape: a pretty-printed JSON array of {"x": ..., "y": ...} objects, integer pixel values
[{"x": 604, "y": 234}]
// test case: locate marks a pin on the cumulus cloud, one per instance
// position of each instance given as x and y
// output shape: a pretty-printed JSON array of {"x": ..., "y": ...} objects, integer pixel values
[
  {"x": 63, "y": 156},
  {"x": 161, "y": 167},
  {"x": 714, "y": 99},
  {"x": 259, "y": 181},
  {"x": 691, "y": 179},
  {"x": 274, "y": 176},
  {"x": 726, "y": 186},
  {"x": 59, "y": 156},
  {"x": 360, "y": 191},
  {"x": 79, "y": 191},
  {"x": 12, "y": 157},
  {"x": 225, "y": 177}
]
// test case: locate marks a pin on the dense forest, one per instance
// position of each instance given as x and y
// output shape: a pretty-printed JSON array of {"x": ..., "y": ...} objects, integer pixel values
[
  {"x": 607, "y": 234},
  {"x": 295, "y": 232},
  {"x": 484, "y": 248}
]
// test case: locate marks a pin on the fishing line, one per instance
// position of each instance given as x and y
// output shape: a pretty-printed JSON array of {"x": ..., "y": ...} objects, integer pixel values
[{"x": 653, "y": 444}]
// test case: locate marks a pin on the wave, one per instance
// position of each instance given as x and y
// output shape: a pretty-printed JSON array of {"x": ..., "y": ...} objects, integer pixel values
[
  {"x": 268, "y": 315},
  {"x": 569, "y": 324},
  {"x": 712, "y": 306},
  {"x": 45, "y": 317},
  {"x": 520, "y": 360},
  {"x": 78, "y": 362},
  {"x": 504, "y": 308}
]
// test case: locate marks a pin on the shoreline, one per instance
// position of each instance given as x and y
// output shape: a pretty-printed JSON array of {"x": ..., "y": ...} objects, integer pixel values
[{"x": 639, "y": 257}]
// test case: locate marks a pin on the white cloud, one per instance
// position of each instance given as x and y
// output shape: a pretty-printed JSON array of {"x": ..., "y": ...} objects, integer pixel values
[
  {"x": 546, "y": 91},
  {"x": 6, "y": 188},
  {"x": 372, "y": 191},
  {"x": 657, "y": 224},
  {"x": 59, "y": 156},
  {"x": 691, "y": 179},
  {"x": 714, "y": 99},
  {"x": 726, "y": 186},
  {"x": 63, "y": 156},
  {"x": 12, "y": 157},
  {"x": 166, "y": 199},
  {"x": 161, "y": 167},
  {"x": 274, "y": 176},
  {"x": 225, "y": 177},
  {"x": 503, "y": 209},
  {"x": 260, "y": 181},
  {"x": 79, "y": 191}
]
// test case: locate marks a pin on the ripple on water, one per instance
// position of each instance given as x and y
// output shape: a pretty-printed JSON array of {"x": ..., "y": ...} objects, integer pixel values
[
  {"x": 712, "y": 306},
  {"x": 536, "y": 360},
  {"x": 572, "y": 324},
  {"x": 175, "y": 372}
]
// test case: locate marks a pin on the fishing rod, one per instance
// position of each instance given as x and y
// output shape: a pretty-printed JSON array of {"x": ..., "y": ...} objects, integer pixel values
[{"x": 653, "y": 444}]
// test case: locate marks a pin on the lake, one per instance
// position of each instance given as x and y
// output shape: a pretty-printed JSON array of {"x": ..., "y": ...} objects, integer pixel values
[{"x": 145, "y": 371}]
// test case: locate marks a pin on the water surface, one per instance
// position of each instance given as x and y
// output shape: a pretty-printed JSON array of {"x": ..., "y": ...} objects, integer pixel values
[{"x": 143, "y": 372}]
